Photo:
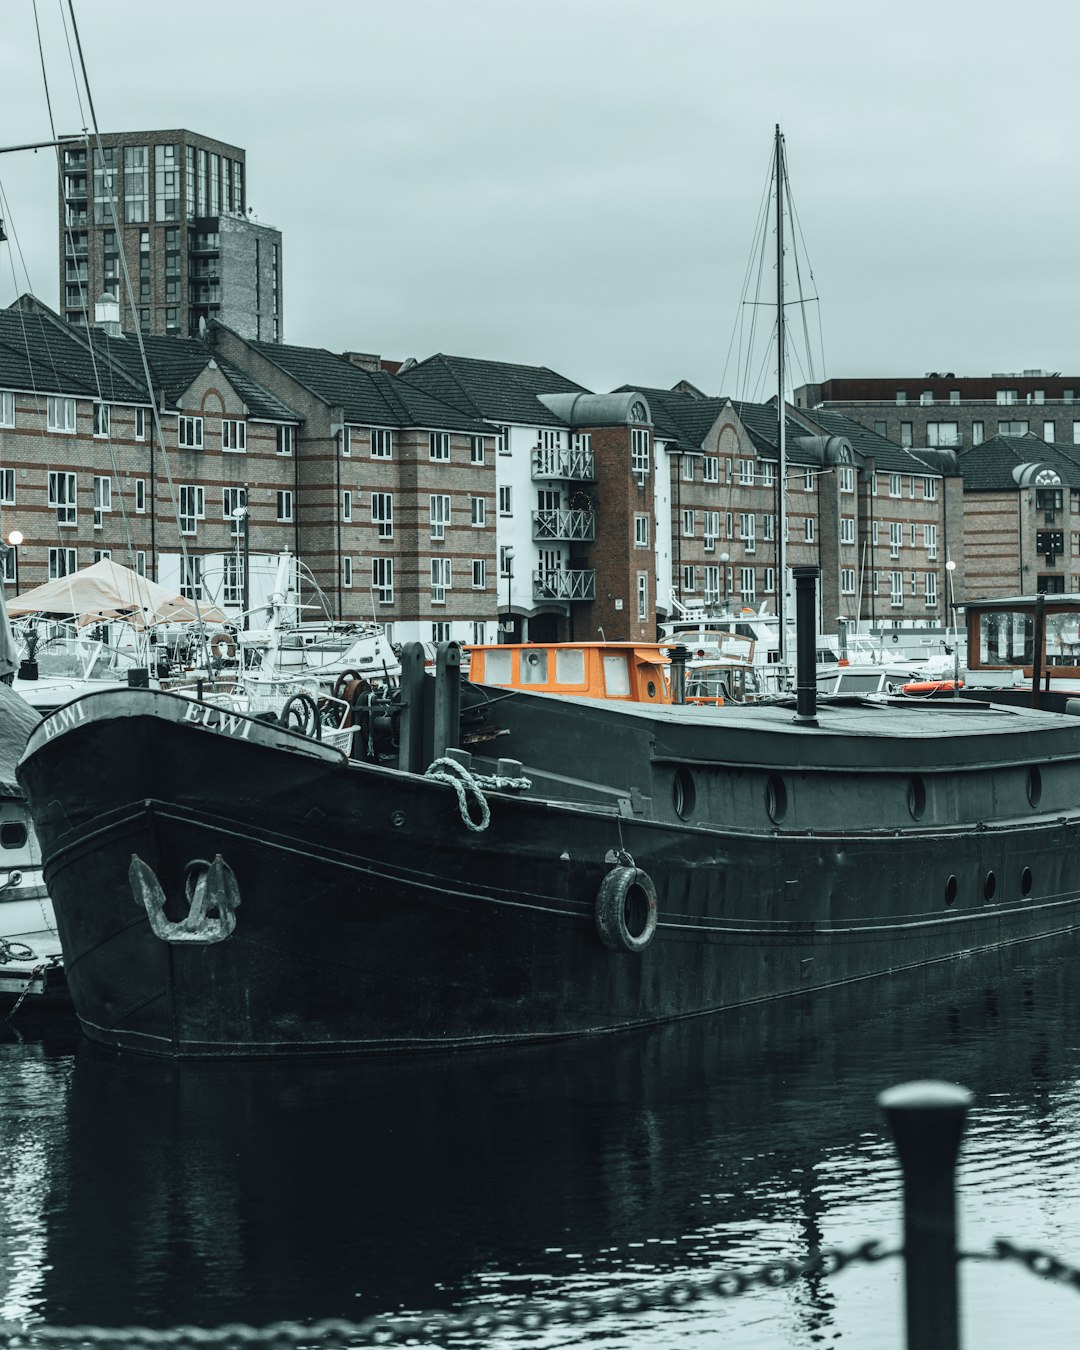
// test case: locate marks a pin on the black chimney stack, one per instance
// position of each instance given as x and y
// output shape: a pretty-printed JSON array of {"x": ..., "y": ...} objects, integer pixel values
[{"x": 806, "y": 645}]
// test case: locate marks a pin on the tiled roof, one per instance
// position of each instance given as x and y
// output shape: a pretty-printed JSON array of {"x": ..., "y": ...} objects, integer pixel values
[
  {"x": 498, "y": 390},
  {"x": 760, "y": 421},
  {"x": 887, "y": 455},
  {"x": 367, "y": 398},
  {"x": 40, "y": 352},
  {"x": 989, "y": 467},
  {"x": 685, "y": 418}
]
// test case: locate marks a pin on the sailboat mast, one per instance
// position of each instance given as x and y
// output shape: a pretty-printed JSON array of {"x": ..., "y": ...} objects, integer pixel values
[{"x": 781, "y": 524}]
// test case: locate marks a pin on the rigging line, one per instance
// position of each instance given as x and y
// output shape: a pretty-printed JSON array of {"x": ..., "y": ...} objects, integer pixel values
[
  {"x": 186, "y": 567},
  {"x": 813, "y": 279},
  {"x": 71, "y": 62},
  {"x": 748, "y": 352},
  {"x": 763, "y": 207},
  {"x": 798, "y": 272}
]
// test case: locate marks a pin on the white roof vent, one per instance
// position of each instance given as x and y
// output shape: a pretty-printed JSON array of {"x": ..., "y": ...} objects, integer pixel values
[{"x": 107, "y": 314}]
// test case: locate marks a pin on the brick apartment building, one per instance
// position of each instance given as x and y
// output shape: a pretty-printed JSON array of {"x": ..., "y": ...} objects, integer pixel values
[{"x": 174, "y": 205}]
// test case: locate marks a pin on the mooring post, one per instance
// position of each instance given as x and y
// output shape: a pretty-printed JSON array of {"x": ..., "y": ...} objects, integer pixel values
[{"x": 927, "y": 1121}]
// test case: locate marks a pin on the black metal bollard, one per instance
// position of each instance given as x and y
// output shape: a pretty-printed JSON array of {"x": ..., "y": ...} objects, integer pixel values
[{"x": 927, "y": 1121}]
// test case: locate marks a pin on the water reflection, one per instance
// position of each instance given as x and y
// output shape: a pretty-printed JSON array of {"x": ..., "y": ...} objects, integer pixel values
[{"x": 136, "y": 1191}]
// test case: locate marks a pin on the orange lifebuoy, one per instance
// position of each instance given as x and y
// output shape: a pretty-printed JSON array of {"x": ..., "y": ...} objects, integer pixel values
[{"x": 931, "y": 686}]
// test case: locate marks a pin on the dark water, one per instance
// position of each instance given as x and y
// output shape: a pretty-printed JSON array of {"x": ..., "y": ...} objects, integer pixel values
[{"x": 134, "y": 1191}]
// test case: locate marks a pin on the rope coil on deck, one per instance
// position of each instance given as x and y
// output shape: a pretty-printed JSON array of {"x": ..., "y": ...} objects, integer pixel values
[{"x": 449, "y": 771}]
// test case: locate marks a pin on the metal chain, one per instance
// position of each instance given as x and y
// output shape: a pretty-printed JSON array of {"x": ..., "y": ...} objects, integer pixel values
[
  {"x": 480, "y": 1321},
  {"x": 1038, "y": 1262}
]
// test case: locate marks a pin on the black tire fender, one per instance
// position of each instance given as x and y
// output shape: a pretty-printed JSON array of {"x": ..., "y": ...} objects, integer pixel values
[{"x": 626, "y": 909}]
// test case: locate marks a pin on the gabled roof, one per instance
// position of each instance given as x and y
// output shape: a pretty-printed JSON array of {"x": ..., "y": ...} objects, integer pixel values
[
  {"x": 989, "y": 467},
  {"x": 500, "y": 391},
  {"x": 684, "y": 418},
  {"x": 367, "y": 398},
  {"x": 761, "y": 423}
]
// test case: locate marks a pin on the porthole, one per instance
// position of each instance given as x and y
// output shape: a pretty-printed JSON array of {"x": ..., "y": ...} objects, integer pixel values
[
  {"x": 990, "y": 886},
  {"x": 12, "y": 835},
  {"x": 683, "y": 793},
  {"x": 776, "y": 799},
  {"x": 950, "y": 891},
  {"x": 916, "y": 797},
  {"x": 1026, "y": 881},
  {"x": 651, "y": 686},
  {"x": 1034, "y": 785}
]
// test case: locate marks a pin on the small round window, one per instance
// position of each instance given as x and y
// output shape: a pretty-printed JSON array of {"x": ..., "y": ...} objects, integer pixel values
[
  {"x": 683, "y": 793},
  {"x": 916, "y": 797},
  {"x": 776, "y": 803},
  {"x": 1034, "y": 785},
  {"x": 1026, "y": 881},
  {"x": 950, "y": 891},
  {"x": 990, "y": 886},
  {"x": 12, "y": 835}
]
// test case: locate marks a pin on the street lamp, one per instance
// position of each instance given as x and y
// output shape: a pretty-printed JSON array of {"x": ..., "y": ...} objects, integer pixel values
[
  {"x": 15, "y": 538},
  {"x": 725, "y": 558},
  {"x": 508, "y": 559},
  {"x": 242, "y": 515},
  {"x": 950, "y": 568}
]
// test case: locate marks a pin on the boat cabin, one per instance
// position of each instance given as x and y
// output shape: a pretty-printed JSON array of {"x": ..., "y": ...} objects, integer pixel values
[
  {"x": 632, "y": 672},
  {"x": 1001, "y": 637}
]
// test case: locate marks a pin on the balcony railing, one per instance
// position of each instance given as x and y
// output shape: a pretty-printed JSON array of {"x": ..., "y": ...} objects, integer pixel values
[
  {"x": 559, "y": 584},
  {"x": 563, "y": 465},
  {"x": 563, "y": 525}
]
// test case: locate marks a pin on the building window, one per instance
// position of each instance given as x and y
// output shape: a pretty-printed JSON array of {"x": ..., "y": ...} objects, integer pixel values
[
  {"x": 233, "y": 435},
  {"x": 896, "y": 538},
  {"x": 232, "y": 579},
  {"x": 285, "y": 440},
  {"x": 505, "y": 498},
  {"x": 641, "y": 531},
  {"x": 896, "y": 485},
  {"x": 688, "y": 468},
  {"x": 1050, "y": 432},
  {"x": 502, "y": 441},
  {"x": 346, "y": 506},
  {"x": 479, "y": 574},
  {"x": 346, "y": 572},
  {"x": 1012, "y": 428},
  {"x": 7, "y": 408},
  {"x": 748, "y": 530},
  {"x": 190, "y": 433},
  {"x": 711, "y": 469},
  {"x": 847, "y": 581},
  {"x": 192, "y": 507},
  {"x": 61, "y": 414},
  {"x": 809, "y": 528},
  {"x": 930, "y": 589},
  {"x": 140, "y": 562},
  {"x": 382, "y": 443},
  {"x": 639, "y": 452},
  {"x": 100, "y": 554},
  {"x": 476, "y": 450},
  {"x": 439, "y": 445},
  {"x": 929, "y": 533},
  {"x": 847, "y": 478},
  {"x": 642, "y": 596},
  {"x": 439, "y": 515},
  {"x": 440, "y": 632},
  {"x": 506, "y": 558},
  {"x": 710, "y": 529},
  {"x": 140, "y": 424},
  {"x": 136, "y": 184},
  {"x": 62, "y": 562},
  {"x": 346, "y": 441},
  {"x": 478, "y": 510},
  {"x": 234, "y": 501},
  {"x": 688, "y": 579},
  {"x": 769, "y": 586},
  {"x": 62, "y": 497},
  {"x": 140, "y": 495},
  {"x": 382, "y": 580},
  {"x": 896, "y": 590},
  {"x": 978, "y": 433},
  {"x": 881, "y": 428},
  {"x": 191, "y": 578},
  {"x": 954, "y": 395},
  {"x": 808, "y": 480},
  {"x": 7, "y": 487},
  {"x": 747, "y": 584},
  {"x": 942, "y": 434},
  {"x": 929, "y": 489},
  {"x": 847, "y": 529},
  {"x": 926, "y": 398},
  {"x": 688, "y": 524},
  {"x": 382, "y": 514},
  {"x": 746, "y": 473},
  {"x": 1006, "y": 396},
  {"x": 102, "y": 499},
  {"x": 711, "y": 589},
  {"x": 906, "y": 437},
  {"x": 901, "y": 398},
  {"x": 284, "y": 504},
  {"x": 440, "y": 580}
]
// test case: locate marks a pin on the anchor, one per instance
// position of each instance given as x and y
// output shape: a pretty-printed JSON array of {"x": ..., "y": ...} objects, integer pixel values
[{"x": 207, "y": 886}]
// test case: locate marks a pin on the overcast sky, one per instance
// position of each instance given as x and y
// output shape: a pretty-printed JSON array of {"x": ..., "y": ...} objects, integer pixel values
[{"x": 577, "y": 183}]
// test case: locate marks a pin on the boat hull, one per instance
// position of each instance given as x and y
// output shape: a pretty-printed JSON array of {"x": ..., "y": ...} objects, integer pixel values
[{"x": 371, "y": 919}]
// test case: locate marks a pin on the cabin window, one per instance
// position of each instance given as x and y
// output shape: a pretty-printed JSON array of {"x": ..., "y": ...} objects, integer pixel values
[
  {"x": 569, "y": 666},
  {"x": 12, "y": 835},
  {"x": 616, "y": 677},
  {"x": 534, "y": 667},
  {"x": 497, "y": 668}
]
